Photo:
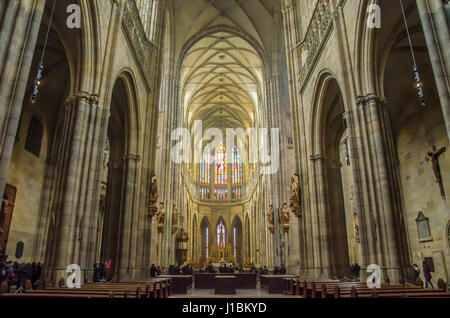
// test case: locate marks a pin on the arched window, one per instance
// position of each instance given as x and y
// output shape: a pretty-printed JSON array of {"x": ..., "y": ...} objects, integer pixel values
[
  {"x": 205, "y": 176},
  {"x": 34, "y": 136},
  {"x": 234, "y": 243},
  {"x": 220, "y": 193},
  {"x": 206, "y": 244},
  {"x": 107, "y": 153},
  {"x": 236, "y": 192},
  {"x": 236, "y": 166},
  {"x": 220, "y": 234},
  {"x": 220, "y": 165},
  {"x": 204, "y": 192}
]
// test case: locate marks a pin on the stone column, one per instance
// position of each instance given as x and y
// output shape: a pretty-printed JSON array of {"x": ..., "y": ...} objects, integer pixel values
[
  {"x": 385, "y": 208},
  {"x": 18, "y": 35},
  {"x": 128, "y": 226},
  {"x": 73, "y": 230},
  {"x": 436, "y": 30},
  {"x": 322, "y": 251}
]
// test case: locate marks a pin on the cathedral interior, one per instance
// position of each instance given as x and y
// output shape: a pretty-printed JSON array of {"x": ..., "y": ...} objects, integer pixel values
[{"x": 110, "y": 147}]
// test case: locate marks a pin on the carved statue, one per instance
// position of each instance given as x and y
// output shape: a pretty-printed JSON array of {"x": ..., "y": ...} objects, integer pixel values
[
  {"x": 270, "y": 218},
  {"x": 284, "y": 217},
  {"x": 433, "y": 157},
  {"x": 295, "y": 196},
  {"x": 174, "y": 219},
  {"x": 182, "y": 235},
  {"x": 153, "y": 198},
  {"x": 160, "y": 217}
]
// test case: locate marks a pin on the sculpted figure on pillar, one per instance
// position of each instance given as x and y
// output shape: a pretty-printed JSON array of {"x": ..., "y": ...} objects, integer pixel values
[
  {"x": 295, "y": 196},
  {"x": 160, "y": 217},
  {"x": 153, "y": 198},
  {"x": 284, "y": 217},
  {"x": 174, "y": 219},
  {"x": 270, "y": 218}
]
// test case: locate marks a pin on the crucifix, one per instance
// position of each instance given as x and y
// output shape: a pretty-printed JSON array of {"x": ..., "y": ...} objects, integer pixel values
[{"x": 433, "y": 156}]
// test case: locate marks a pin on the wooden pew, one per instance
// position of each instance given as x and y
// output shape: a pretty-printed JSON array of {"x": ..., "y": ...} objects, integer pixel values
[
  {"x": 158, "y": 288},
  {"x": 336, "y": 289}
]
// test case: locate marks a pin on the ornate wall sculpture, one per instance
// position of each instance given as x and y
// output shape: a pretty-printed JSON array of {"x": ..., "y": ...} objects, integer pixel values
[
  {"x": 182, "y": 247},
  {"x": 153, "y": 198},
  {"x": 174, "y": 219},
  {"x": 160, "y": 217},
  {"x": 295, "y": 197},
  {"x": 284, "y": 217},
  {"x": 270, "y": 219}
]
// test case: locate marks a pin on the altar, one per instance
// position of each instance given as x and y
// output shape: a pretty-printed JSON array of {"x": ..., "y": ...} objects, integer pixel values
[
  {"x": 221, "y": 254},
  {"x": 240, "y": 281}
]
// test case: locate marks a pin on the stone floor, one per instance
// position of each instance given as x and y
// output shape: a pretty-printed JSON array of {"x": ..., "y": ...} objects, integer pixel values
[{"x": 240, "y": 293}]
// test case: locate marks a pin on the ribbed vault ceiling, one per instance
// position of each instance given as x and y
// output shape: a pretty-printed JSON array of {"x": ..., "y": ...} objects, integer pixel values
[
  {"x": 222, "y": 73},
  {"x": 222, "y": 80}
]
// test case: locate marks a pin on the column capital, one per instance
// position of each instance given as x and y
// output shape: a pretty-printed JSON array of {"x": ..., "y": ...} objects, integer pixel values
[
  {"x": 82, "y": 96},
  {"x": 371, "y": 98},
  {"x": 130, "y": 156},
  {"x": 317, "y": 157}
]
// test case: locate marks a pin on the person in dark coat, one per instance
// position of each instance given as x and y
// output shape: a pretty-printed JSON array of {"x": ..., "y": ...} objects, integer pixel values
[
  {"x": 96, "y": 277},
  {"x": 26, "y": 274},
  {"x": 355, "y": 271},
  {"x": 427, "y": 274},
  {"x": 103, "y": 272},
  {"x": 416, "y": 272},
  {"x": 153, "y": 271},
  {"x": 276, "y": 270}
]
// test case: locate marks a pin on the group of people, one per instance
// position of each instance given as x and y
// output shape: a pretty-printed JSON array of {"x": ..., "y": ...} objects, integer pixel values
[
  {"x": 186, "y": 269},
  {"x": 426, "y": 273},
  {"x": 229, "y": 269},
  {"x": 101, "y": 271},
  {"x": 16, "y": 274},
  {"x": 155, "y": 271},
  {"x": 277, "y": 270}
]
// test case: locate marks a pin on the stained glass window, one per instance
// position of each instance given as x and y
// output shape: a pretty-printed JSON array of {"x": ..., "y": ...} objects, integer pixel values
[
  {"x": 234, "y": 242},
  {"x": 221, "y": 234},
  {"x": 220, "y": 193},
  {"x": 205, "y": 166},
  {"x": 207, "y": 235},
  {"x": 220, "y": 157},
  {"x": 236, "y": 192},
  {"x": 236, "y": 166},
  {"x": 204, "y": 192}
]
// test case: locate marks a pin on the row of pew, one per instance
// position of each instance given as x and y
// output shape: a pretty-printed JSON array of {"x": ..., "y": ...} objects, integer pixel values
[
  {"x": 152, "y": 288},
  {"x": 311, "y": 288}
]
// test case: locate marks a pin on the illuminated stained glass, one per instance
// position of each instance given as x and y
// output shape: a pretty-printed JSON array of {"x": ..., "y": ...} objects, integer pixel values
[
  {"x": 237, "y": 192},
  {"x": 204, "y": 192},
  {"x": 236, "y": 166},
  {"x": 220, "y": 234},
  {"x": 234, "y": 242},
  {"x": 220, "y": 157},
  {"x": 207, "y": 236},
  {"x": 220, "y": 193},
  {"x": 205, "y": 170}
]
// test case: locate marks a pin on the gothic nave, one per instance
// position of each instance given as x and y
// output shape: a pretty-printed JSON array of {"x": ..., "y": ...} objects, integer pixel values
[{"x": 118, "y": 146}]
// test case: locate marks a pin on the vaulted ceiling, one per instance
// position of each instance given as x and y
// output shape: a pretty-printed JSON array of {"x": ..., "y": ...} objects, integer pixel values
[
  {"x": 222, "y": 80},
  {"x": 221, "y": 72}
]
